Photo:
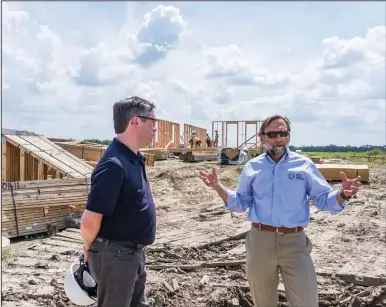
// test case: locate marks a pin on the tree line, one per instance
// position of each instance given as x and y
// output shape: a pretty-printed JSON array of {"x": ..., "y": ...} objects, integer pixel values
[
  {"x": 337, "y": 148},
  {"x": 102, "y": 142}
]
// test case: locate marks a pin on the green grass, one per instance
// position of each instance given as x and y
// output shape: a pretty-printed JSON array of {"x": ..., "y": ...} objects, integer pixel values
[
  {"x": 371, "y": 158},
  {"x": 348, "y": 154}
]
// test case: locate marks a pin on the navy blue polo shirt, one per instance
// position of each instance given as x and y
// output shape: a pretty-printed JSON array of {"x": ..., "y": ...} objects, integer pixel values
[{"x": 121, "y": 192}]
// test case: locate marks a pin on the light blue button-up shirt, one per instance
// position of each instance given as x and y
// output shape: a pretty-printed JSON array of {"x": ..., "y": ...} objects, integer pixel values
[{"x": 277, "y": 193}]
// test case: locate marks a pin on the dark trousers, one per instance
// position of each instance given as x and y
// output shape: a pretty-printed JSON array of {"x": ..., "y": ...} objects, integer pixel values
[{"x": 120, "y": 273}]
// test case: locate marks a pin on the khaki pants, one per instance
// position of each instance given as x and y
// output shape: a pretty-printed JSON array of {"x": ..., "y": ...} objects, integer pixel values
[{"x": 269, "y": 252}]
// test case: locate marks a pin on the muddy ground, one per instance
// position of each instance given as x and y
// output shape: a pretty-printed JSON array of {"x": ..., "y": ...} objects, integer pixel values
[{"x": 198, "y": 258}]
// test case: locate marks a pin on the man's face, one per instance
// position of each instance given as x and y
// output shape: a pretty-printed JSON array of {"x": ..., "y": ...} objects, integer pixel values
[
  {"x": 276, "y": 137},
  {"x": 147, "y": 127}
]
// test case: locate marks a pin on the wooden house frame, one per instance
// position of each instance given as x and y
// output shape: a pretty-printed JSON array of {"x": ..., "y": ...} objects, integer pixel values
[
  {"x": 242, "y": 129},
  {"x": 33, "y": 157}
]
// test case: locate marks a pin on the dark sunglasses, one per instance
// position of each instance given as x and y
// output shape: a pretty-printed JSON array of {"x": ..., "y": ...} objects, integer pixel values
[
  {"x": 274, "y": 134},
  {"x": 153, "y": 120}
]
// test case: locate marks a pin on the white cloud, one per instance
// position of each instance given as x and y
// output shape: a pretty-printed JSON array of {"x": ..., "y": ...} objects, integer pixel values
[
  {"x": 230, "y": 62},
  {"x": 160, "y": 33},
  {"x": 194, "y": 77}
]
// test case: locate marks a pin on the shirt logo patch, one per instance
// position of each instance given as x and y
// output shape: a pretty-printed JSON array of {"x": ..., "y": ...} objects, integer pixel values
[{"x": 295, "y": 176}]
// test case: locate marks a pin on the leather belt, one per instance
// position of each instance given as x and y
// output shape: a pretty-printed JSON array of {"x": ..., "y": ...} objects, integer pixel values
[
  {"x": 128, "y": 244},
  {"x": 279, "y": 230}
]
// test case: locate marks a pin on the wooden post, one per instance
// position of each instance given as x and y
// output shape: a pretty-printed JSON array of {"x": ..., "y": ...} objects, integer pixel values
[
  {"x": 237, "y": 139},
  {"x": 3, "y": 158},
  {"x": 246, "y": 134},
  {"x": 22, "y": 165},
  {"x": 9, "y": 163},
  {"x": 223, "y": 134},
  {"x": 40, "y": 170},
  {"x": 45, "y": 171},
  {"x": 53, "y": 173}
]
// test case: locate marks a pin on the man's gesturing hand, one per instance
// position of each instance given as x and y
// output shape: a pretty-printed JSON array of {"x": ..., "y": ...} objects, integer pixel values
[
  {"x": 350, "y": 186},
  {"x": 210, "y": 179}
]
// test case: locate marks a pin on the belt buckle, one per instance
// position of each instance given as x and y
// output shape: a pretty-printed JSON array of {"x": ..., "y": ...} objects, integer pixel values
[{"x": 277, "y": 231}]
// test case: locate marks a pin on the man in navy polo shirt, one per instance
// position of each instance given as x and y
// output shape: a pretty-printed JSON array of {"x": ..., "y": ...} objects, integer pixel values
[{"x": 120, "y": 217}]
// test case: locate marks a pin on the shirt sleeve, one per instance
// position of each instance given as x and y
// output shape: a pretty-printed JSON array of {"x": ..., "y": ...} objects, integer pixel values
[
  {"x": 321, "y": 193},
  {"x": 240, "y": 199},
  {"x": 106, "y": 184}
]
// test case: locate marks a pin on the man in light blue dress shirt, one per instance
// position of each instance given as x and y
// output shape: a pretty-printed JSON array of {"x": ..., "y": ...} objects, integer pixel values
[{"x": 276, "y": 187}]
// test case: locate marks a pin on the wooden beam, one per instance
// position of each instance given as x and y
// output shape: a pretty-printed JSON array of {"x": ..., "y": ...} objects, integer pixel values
[
  {"x": 3, "y": 159},
  {"x": 223, "y": 144},
  {"x": 22, "y": 165},
  {"x": 9, "y": 164},
  {"x": 45, "y": 171},
  {"x": 237, "y": 139},
  {"x": 40, "y": 170}
]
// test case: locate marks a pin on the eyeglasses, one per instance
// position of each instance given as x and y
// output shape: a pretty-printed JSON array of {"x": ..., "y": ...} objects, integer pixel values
[
  {"x": 153, "y": 120},
  {"x": 274, "y": 134}
]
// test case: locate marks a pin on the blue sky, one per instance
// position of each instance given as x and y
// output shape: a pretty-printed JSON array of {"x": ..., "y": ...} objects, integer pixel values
[{"x": 320, "y": 63}]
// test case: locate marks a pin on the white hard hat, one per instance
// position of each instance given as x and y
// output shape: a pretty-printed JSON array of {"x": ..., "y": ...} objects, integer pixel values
[
  {"x": 194, "y": 131},
  {"x": 79, "y": 286}
]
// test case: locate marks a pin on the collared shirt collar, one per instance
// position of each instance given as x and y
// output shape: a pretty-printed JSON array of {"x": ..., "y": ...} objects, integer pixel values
[
  {"x": 137, "y": 157},
  {"x": 283, "y": 158}
]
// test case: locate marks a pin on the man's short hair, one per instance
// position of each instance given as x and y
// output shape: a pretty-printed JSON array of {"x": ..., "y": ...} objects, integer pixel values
[
  {"x": 125, "y": 109},
  {"x": 270, "y": 119}
]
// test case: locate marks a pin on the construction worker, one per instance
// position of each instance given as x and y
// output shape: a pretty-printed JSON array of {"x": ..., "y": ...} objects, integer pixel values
[
  {"x": 207, "y": 140},
  {"x": 274, "y": 187},
  {"x": 192, "y": 139},
  {"x": 216, "y": 139},
  {"x": 120, "y": 217}
]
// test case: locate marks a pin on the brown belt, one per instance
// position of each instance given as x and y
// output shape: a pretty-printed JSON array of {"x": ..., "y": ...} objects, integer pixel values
[{"x": 279, "y": 230}]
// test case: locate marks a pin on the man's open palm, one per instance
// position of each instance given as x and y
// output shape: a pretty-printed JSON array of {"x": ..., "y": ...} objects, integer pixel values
[
  {"x": 210, "y": 179},
  {"x": 350, "y": 186}
]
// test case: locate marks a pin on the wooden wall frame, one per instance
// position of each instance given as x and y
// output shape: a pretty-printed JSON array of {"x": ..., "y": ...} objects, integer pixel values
[
  {"x": 167, "y": 132},
  {"x": 222, "y": 128},
  {"x": 201, "y": 133},
  {"x": 30, "y": 157}
]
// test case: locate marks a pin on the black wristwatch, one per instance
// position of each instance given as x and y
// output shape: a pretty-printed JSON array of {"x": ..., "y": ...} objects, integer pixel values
[{"x": 344, "y": 196}]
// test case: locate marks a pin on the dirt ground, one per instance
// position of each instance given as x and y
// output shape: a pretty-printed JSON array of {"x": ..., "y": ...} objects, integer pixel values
[{"x": 199, "y": 255}]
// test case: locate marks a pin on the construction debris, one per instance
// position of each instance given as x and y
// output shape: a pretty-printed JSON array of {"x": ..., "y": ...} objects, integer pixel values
[{"x": 234, "y": 156}]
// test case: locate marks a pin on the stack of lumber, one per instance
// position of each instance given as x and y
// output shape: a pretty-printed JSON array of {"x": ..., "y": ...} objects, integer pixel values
[
  {"x": 149, "y": 159},
  {"x": 195, "y": 156},
  {"x": 84, "y": 150},
  {"x": 332, "y": 171},
  {"x": 30, "y": 207},
  {"x": 159, "y": 153}
]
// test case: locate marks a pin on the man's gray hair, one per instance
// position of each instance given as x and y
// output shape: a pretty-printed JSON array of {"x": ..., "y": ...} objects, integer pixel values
[{"x": 125, "y": 109}]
